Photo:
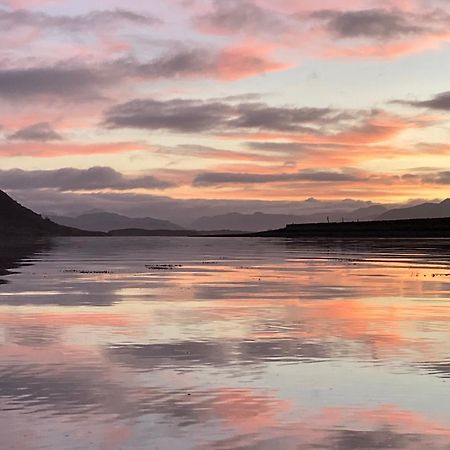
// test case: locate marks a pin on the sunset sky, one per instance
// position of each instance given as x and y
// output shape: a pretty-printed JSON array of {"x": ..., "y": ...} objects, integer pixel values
[{"x": 189, "y": 107}]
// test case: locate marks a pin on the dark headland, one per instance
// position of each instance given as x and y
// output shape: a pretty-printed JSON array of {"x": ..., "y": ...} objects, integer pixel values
[
  {"x": 18, "y": 221},
  {"x": 411, "y": 228}
]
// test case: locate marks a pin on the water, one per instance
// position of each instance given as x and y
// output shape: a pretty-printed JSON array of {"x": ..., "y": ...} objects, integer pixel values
[{"x": 205, "y": 343}]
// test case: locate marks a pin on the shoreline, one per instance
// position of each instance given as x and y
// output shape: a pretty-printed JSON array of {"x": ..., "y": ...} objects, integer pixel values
[{"x": 407, "y": 228}]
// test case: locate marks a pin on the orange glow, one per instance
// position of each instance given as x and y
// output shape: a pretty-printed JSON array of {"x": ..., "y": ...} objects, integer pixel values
[{"x": 45, "y": 150}]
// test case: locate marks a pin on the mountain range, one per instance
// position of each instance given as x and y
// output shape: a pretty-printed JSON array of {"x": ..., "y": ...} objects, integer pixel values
[
  {"x": 258, "y": 221},
  {"x": 106, "y": 221},
  {"x": 422, "y": 211},
  {"x": 15, "y": 219}
]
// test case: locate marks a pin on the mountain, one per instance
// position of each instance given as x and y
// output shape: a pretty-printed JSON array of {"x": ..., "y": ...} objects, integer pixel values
[
  {"x": 105, "y": 221},
  {"x": 422, "y": 211},
  {"x": 367, "y": 213},
  {"x": 237, "y": 221},
  {"x": 259, "y": 221},
  {"x": 16, "y": 220}
]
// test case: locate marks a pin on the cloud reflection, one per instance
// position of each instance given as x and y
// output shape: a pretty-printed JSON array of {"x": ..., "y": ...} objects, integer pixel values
[{"x": 254, "y": 344}]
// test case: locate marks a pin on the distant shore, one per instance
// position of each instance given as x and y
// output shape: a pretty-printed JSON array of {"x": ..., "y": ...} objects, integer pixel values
[{"x": 410, "y": 228}]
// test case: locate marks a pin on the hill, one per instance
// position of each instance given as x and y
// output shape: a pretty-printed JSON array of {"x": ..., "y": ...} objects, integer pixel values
[
  {"x": 422, "y": 211},
  {"x": 106, "y": 221},
  {"x": 16, "y": 220}
]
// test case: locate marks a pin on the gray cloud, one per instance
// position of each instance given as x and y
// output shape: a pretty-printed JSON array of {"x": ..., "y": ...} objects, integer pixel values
[
  {"x": 197, "y": 115},
  {"x": 378, "y": 23},
  {"x": 429, "y": 177},
  {"x": 62, "y": 80},
  {"x": 178, "y": 62},
  {"x": 203, "y": 62},
  {"x": 262, "y": 116},
  {"x": 78, "y": 80},
  {"x": 290, "y": 147},
  {"x": 36, "y": 132},
  {"x": 440, "y": 102},
  {"x": 438, "y": 178},
  {"x": 90, "y": 22},
  {"x": 219, "y": 178},
  {"x": 176, "y": 115},
  {"x": 68, "y": 179},
  {"x": 236, "y": 16}
]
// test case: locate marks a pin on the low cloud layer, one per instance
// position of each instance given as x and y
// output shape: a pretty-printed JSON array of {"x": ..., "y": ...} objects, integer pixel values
[
  {"x": 69, "y": 179},
  {"x": 217, "y": 178}
]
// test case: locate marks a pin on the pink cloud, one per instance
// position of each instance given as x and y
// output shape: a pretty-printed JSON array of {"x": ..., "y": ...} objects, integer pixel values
[
  {"x": 379, "y": 127},
  {"x": 246, "y": 60},
  {"x": 388, "y": 50}
]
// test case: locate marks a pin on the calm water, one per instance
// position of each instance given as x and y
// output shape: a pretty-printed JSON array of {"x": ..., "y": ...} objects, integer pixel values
[{"x": 192, "y": 343}]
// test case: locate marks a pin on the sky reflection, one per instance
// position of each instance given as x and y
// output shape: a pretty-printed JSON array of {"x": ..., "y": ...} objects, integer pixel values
[{"x": 248, "y": 344}]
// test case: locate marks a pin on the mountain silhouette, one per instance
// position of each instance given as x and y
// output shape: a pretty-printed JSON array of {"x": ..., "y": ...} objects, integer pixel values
[
  {"x": 422, "y": 211},
  {"x": 16, "y": 220},
  {"x": 106, "y": 221},
  {"x": 260, "y": 221}
]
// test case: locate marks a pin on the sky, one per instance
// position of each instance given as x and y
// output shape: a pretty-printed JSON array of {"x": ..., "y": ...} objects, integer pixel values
[{"x": 183, "y": 108}]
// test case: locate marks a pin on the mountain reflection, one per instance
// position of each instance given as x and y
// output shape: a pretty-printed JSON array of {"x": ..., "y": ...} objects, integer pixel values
[{"x": 16, "y": 254}]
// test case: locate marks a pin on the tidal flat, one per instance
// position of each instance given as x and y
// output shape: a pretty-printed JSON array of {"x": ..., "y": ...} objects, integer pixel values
[{"x": 225, "y": 343}]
